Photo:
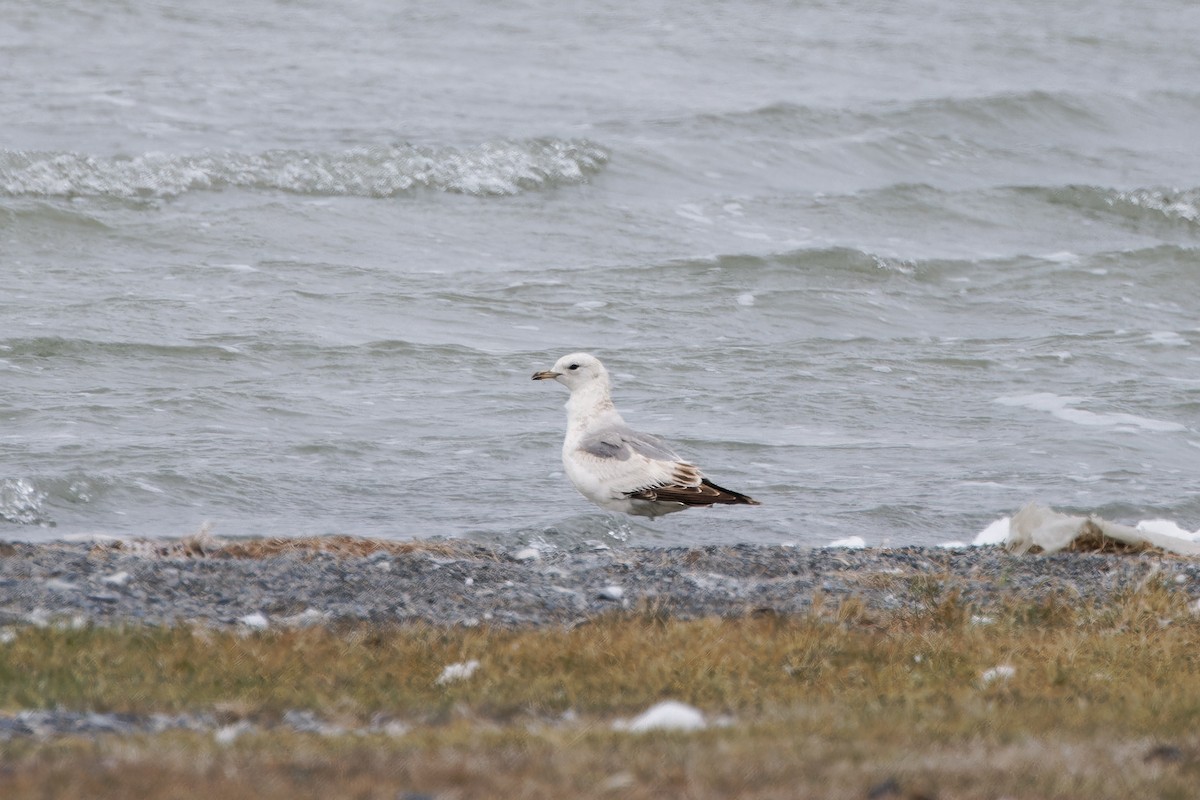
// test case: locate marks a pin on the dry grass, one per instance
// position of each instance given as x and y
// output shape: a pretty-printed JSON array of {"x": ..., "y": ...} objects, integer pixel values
[
  {"x": 465, "y": 760},
  {"x": 1101, "y": 703}
]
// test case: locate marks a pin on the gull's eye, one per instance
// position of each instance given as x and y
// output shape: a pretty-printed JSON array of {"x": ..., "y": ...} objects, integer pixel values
[{"x": 573, "y": 366}]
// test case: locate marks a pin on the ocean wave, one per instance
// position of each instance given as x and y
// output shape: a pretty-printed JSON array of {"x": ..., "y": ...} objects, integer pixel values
[
  {"x": 1069, "y": 112},
  {"x": 490, "y": 169},
  {"x": 946, "y": 141},
  {"x": 1065, "y": 408},
  {"x": 1150, "y": 204},
  {"x": 40, "y": 347},
  {"x": 1173, "y": 204},
  {"x": 224, "y": 350},
  {"x": 824, "y": 259}
]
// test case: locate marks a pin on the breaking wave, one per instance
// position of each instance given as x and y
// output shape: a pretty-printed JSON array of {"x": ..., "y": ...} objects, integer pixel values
[{"x": 488, "y": 169}]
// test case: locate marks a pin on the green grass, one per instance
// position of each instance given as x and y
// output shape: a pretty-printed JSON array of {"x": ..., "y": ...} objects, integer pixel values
[{"x": 832, "y": 703}]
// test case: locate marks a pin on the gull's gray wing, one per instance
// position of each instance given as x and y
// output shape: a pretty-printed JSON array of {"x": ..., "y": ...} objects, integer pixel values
[
  {"x": 622, "y": 442},
  {"x": 619, "y": 462}
]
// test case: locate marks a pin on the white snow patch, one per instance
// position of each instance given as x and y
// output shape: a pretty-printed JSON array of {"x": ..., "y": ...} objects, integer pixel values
[
  {"x": 669, "y": 715},
  {"x": 228, "y": 734},
  {"x": 457, "y": 672},
  {"x": 1168, "y": 528},
  {"x": 1001, "y": 672},
  {"x": 996, "y": 533}
]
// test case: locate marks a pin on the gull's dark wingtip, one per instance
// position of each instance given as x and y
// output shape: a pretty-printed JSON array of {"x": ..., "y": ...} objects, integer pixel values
[
  {"x": 728, "y": 496},
  {"x": 706, "y": 493}
]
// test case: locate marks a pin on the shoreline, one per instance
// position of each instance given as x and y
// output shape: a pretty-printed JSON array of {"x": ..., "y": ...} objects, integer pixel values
[
  {"x": 284, "y": 583},
  {"x": 316, "y": 668}
]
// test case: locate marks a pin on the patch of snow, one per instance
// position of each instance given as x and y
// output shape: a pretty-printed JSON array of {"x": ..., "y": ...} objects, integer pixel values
[
  {"x": 457, "y": 672},
  {"x": 669, "y": 715},
  {"x": 996, "y": 533},
  {"x": 1001, "y": 672}
]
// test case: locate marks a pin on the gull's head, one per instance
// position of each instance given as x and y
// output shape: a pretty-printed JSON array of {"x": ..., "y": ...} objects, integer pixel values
[{"x": 576, "y": 370}]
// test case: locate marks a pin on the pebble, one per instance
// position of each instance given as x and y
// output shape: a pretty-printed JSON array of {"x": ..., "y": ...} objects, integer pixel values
[
  {"x": 58, "y": 722},
  {"x": 527, "y": 554},
  {"x": 116, "y": 579},
  {"x": 258, "y": 622}
]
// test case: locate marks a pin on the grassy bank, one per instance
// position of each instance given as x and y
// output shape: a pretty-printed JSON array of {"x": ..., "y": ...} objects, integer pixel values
[{"x": 1090, "y": 702}]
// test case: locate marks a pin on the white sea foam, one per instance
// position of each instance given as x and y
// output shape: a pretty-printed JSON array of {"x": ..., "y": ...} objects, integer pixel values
[
  {"x": 1061, "y": 407},
  {"x": 1167, "y": 339},
  {"x": 693, "y": 212},
  {"x": 491, "y": 168},
  {"x": 21, "y": 502}
]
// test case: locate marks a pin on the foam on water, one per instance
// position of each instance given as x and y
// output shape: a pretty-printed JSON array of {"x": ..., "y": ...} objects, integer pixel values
[
  {"x": 22, "y": 503},
  {"x": 1062, "y": 408},
  {"x": 492, "y": 168}
]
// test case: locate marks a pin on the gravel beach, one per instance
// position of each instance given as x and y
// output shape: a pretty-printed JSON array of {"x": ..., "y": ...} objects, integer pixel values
[
  {"x": 277, "y": 583},
  {"x": 256, "y": 585}
]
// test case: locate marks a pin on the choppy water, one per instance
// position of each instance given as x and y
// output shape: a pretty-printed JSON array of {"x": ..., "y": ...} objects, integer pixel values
[{"x": 893, "y": 269}]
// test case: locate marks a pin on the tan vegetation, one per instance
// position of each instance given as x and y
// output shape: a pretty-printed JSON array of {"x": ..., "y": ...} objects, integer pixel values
[{"x": 1094, "y": 702}]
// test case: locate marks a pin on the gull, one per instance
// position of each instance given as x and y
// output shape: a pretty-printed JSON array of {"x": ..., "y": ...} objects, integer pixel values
[{"x": 616, "y": 467}]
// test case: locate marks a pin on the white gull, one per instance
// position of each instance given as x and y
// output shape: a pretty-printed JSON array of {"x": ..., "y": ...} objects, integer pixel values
[{"x": 616, "y": 467}]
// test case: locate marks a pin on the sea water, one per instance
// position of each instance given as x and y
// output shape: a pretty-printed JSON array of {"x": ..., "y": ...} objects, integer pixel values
[{"x": 892, "y": 269}]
